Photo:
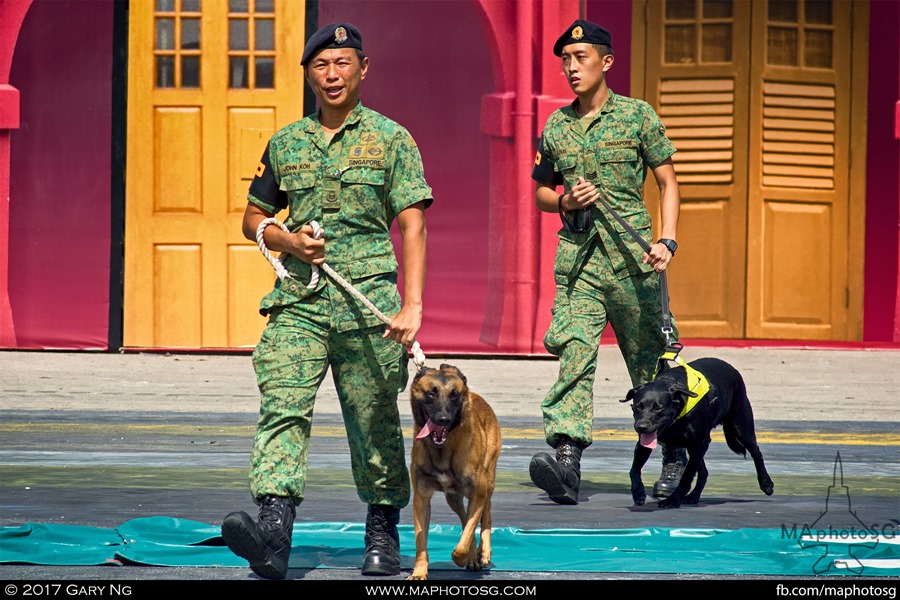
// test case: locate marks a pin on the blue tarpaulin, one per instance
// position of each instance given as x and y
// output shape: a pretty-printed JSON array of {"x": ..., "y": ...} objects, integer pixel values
[{"x": 166, "y": 541}]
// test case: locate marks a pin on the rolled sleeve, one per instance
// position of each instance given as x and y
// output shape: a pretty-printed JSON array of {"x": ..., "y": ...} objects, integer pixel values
[
  {"x": 265, "y": 189},
  {"x": 406, "y": 175},
  {"x": 657, "y": 147}
]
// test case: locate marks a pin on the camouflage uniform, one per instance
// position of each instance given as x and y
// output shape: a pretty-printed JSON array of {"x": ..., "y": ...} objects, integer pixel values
[
  {"x": 354, "y": 185},
  {"x": 599, "y": 274}
]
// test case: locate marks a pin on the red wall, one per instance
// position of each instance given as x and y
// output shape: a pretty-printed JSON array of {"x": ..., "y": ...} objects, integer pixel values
[
  {"x": 432, "y": 68},
  {"x": 60, "y": 197},
  {"x": 882, "y": 201}
]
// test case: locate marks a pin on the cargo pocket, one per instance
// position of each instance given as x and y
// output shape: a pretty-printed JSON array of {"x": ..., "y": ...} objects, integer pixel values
[
  {"x": 567, "y": 254},
  {"x": 554, "y": 339},
  {"x": 376, "y": 280},
  {"x": 627, "y": 261}
]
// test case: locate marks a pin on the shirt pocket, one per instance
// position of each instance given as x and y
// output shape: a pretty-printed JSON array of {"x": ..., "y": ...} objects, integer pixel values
[
  {"x": 296, "y": 182},
  {"x": 619, "y": 168},
  {"x": 363, "y": 188},
  {"x": 565, "y": 166},
  {"x": 360, "y": 176}
]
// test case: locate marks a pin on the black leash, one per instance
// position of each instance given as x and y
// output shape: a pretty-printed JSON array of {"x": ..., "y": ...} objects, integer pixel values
[{"x": 663, "y": 284}]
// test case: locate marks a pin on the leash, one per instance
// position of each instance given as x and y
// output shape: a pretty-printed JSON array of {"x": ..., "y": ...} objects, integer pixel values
[
  {"x": 282, "y": 272},
  {"x": 663, "y": 280}
]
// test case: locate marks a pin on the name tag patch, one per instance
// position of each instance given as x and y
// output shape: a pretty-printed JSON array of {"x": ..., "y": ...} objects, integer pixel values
[{"x": 298, "y": 167}]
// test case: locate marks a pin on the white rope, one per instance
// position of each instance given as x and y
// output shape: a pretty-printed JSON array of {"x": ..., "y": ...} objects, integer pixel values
[{"x": 278, "y": 265}]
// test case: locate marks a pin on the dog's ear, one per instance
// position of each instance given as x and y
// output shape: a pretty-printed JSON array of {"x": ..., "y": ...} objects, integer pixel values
[
  {"x": 455, "y": 371},
  {"x": 420, "y": 373},
  {"x": 631, "y": 393},
  {"x": 679, "y": 388}
]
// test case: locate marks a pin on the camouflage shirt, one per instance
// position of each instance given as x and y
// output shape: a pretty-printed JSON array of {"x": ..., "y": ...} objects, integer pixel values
[
  {"x": 624, "y": 139},
  {"x": 354, "y": 186}
]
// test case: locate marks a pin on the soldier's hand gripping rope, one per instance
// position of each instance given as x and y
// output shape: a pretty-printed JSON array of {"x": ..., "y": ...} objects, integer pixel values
[{"x": 278, "y": 264}]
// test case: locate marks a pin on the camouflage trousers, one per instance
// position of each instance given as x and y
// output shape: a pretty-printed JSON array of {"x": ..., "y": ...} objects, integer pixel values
[
  {"x": 581, "y": 311},
  {"x": 291, "y": 359}
]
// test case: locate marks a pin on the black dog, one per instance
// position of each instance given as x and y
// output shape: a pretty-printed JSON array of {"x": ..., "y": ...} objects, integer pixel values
[{"x": 657, "y": 406}]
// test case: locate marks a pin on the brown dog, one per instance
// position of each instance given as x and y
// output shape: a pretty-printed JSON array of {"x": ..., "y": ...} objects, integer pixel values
[{"x": 455, "y": 450}]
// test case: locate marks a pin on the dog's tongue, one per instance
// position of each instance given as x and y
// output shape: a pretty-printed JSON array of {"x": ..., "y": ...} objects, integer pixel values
[
  {"x": 648, "y": 440},
  {"x": 426, "y": 430}
]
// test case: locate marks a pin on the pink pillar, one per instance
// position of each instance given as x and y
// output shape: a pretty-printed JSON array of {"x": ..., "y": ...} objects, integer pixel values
[
  {"x": 12, "y": 13},
  {"x": 528, "y": 90},
  {"x": 896, "y": 333}
]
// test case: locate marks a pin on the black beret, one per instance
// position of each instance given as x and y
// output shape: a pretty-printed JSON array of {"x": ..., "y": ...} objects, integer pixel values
[
  {"x": 582, "y": 32},
  {"x": 336, "y": 35}
]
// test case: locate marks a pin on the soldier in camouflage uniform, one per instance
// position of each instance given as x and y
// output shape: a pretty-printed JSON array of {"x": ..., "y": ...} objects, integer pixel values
[
  {"x": 353, "y": 171},
  {"x": 601, "y": 144}
]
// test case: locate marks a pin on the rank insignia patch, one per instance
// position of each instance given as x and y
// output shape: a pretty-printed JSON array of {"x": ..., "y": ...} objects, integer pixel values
[
  {"x": 537, "y": 158},
  {"x": 260, "y": 169}
]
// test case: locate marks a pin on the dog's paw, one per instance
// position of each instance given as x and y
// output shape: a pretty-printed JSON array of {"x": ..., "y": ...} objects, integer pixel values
[
  {"x": 767, "y": 486},
  {"x": 638, "y": 494},
  {"x": 673, "y": 501},
  {"x": 691, "y": 499},
  {"x": 484, "y": 559},
  {"x": 417, "y": 576},
  {"x": 466, "y": 559}
]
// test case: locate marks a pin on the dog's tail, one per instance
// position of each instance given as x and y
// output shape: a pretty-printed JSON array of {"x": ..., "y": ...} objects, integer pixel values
[{"x": 732, "y": 438}]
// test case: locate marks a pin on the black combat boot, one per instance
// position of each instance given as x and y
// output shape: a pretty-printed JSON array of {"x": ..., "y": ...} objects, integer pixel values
[
  {"x": 674, "y": 461},
  {"x": 382, "y": 555},
  {"x": 266, "y": 544},
  {"x": 560, "y": 478}
]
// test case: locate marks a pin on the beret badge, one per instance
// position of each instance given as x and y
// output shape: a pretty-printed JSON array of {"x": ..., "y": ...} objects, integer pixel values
[
  {"x": 578, "y": 32},
  {"x": 340, "y": 35}
]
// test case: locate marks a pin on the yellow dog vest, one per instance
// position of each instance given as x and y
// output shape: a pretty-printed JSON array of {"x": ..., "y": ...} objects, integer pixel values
[{"x": 696, "y": 381}]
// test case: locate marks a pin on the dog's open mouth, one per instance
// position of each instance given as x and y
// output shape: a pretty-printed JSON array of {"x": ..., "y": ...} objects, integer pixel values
[
  {"x": 438, "y": 434},
  {"x": 648, "y": 440}
]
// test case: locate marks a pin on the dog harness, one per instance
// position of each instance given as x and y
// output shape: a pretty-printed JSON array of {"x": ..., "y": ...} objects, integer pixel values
[{"x": 696, "y": 382}]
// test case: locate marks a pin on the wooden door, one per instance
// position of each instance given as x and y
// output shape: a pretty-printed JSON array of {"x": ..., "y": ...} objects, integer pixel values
[
  {"x": 209, "y": 82},
  {"x": 756, "y": 96},
  {"x": 700, "y": 88},
  {"x": 798, "y": 234}
]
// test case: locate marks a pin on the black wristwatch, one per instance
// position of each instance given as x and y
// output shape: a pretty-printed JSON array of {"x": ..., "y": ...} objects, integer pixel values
[{"x": 670, "y": 244}]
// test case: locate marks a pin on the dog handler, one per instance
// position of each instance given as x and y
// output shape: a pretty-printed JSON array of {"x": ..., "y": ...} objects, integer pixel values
[
  {"x": 353, "y": 171},
  {"x": 601, "y": 144}
]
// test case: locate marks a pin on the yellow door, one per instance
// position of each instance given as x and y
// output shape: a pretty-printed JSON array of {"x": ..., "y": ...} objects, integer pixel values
[
  {"x": 798, "y": 222},
  {"x": 699, "y": 85},
  {"x": 756, "y": 95},
  {"x": 209, "y": 81}
]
